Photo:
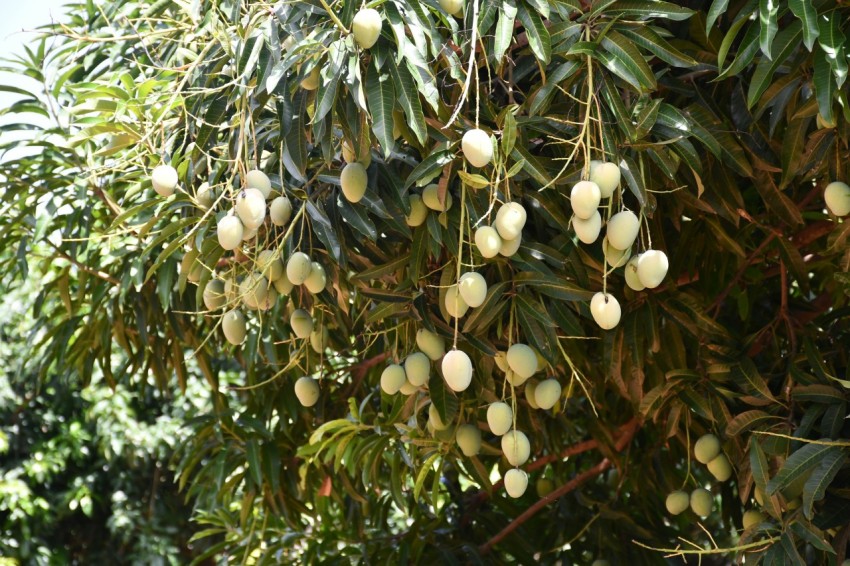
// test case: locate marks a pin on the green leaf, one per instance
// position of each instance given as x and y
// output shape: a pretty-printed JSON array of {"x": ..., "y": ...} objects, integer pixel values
[
  {"x": 509, "y": 133},
  {"x": 747, "y": 421},
  {"x": 718, "y": 7},
  {"x": 824, "y": 85},
  {"x": 748, "y": 375},
  {"x": 747, "y": 50},
  {"x": 504, "y": 29},
  {"x": 428, "y": 167},
  {"x": 423, "y": 474},
  {"x": 812, "y": 535},
  {"x": 325, "y": 231},
  {"x": 545, "y": 93},
  {"x": 805, "y": 10},
  {"x": 768, "y": 10},
  {"x": 213, "y": 118},
  {"x": 799, "y": 463},
  {"x": 728, "y": 39},
  {"x": 295, "y": 148},
  {"x": 443, "y": 399},
  {"x": 554, "y": 286},
  {"x": 793, "y": 144},
  {"x": 331, "y": 79},
  {"x": 761, "y": 473},
  {"x": 538, "y": 35},
  {"x": 252, "y": 449},
  {"x": 531, "y": 165},
  {"x": 633, "y": 178},
  {"x": 626, "y": 54},
  {"x": 643, "y": 10},
  {"x": 408, "y": 96},
  {"x": 380, "y": 96},
  {"x": 650, "y": 40},
  {"x": 815, "y": 487},
  {"x": 832, "y": 41},
  {"x": 785, "y": 43}
]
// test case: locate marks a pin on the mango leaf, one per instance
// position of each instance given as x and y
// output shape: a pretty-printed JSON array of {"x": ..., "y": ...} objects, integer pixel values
[
  {"x": 650, "y": 40},
  {"x": 816, "y": 485},
  {"x": 443, "y": 398},
  {"x": 768, "y": 10},
  {"x": 643, "y": 10},
  {"x": 504, "y": 29},
  {"x": 538, "y": 35},
  {"x": 800, "y": 463},
  {"x": 380, "y": 96},
  {"x": 718, "y": 7},
  {"x": 408, "y": 96},
  {"x": 633, "y": 178},
  {"x": 832, "y": 41},
  {"x": 824, "y": 85},
  {"x": 805, "y": 10},
  {"x": 747, "y": 421},
  {"x": 625, "y": 53},
  {"x": 428, "y": 167},
  {"x": 783, "y": 46}
]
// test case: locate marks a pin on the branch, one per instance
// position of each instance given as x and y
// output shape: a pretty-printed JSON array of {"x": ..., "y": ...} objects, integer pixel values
[{"x": 629, "y": 430}]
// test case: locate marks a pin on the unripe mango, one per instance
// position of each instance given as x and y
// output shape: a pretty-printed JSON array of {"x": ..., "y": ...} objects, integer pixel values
[
  {"x": 455, "y": 305},
  {"x": 230, "y": 231},
  {"x": 431, "y": 198},
  {"x": 584, "y": 198},
  {"x": 298, "y": 268},
  {"x": 234, "y": 327},
  {"x": 477, "y": 147},
  {"x": 317, "y": 280},
  {"x": 280, "y": 211},
  {"x": 353, "y": 181},
  {"x": 488, "y": 241},
  {"x": 366, "y": 27},
  {"x": 720, "y": 468},
  {"x": 606, "y": 176},
  {"x": 510, "y": 220},
  {"x": 702, "y": 502},
  {"x": 164, "y": 180},
  {"x": 622, "y": 230},
  {"x": 418, "y": 211},
  {"x": 417, "y": 368},
  {"x": 431, "y": 344},
  {"x": 256, "y": 179},
  {"x": 605, "y": 309},
  {"x": 251, "y": 208},
  {"x": 678, "y": 502},
  {"x": 472, "y": 288},
  {"x": 652, "y": 268},
  {"x": 588, "y": 229},
  {"x": 468, "y": 439},
  {"x": 547, "y": 393},
  {"x": 499, "y": 417},
  {"x": 301, "y": 323},
  {"x": 516, "y": 447},
  {"x": 392, "y": 379},
  {"x": 214, "y": 297},
  {"x": 522, "y": 360},
  {"x": 516, "y": 482},
  {"x": 457, "y": 370},
  {"x": 307, "y": 391},
  {"x": 706, "y": 448}
]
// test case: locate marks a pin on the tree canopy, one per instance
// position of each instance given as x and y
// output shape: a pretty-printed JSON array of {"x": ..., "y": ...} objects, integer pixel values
[{"x": 607, "y": 221}]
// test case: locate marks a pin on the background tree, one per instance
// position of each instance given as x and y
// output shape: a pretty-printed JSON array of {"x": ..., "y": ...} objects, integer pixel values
[{"x": 726, "y": 121}]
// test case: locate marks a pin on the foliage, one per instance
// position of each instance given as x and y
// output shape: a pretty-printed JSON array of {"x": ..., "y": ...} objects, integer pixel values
[
  {"x": 85, "y": 474},
  {"x": 727, "y": 119}
]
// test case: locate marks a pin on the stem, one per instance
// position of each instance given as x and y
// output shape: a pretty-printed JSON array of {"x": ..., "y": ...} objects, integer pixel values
[
  {"x": 469, "y": 68},
  {"x": 333, "y": 17},
  {"x": 604, "y": 464}
]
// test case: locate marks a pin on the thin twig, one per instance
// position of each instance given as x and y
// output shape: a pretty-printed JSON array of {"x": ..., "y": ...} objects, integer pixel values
[{"x": 628, "y": 433}]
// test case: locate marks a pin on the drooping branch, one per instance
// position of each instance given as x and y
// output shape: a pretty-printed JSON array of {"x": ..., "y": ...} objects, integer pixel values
[{"x": 629, "y": 430}]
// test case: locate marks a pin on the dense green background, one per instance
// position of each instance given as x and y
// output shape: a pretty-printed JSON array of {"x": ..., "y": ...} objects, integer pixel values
[{"x": 126, "y": 415}]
